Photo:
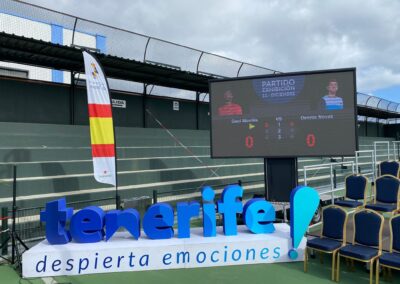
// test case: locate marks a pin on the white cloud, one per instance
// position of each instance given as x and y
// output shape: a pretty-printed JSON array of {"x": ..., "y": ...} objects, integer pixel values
[{"x": 378, "y": 77}]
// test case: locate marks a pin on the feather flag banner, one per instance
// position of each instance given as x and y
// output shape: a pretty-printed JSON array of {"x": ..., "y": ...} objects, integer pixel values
[{"x": 101, "y": 121}]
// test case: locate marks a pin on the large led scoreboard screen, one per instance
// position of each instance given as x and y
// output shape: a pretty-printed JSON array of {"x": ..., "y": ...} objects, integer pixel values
[{"x": 287, "y": 115}]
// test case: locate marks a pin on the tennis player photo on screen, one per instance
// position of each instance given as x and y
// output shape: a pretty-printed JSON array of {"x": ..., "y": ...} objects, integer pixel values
[
  {"x": 229, "y": 107},
  {"x": 331, "y": 101}
]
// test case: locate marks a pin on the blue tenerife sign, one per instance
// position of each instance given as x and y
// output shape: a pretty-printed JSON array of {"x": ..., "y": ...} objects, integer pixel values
[{"x": 77, "y": 250}]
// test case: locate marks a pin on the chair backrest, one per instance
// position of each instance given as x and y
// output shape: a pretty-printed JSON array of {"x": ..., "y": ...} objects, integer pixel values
[
  {"x": 334, "y": 220},
  {"x": 368, "y": 226},
  {"x": 387, "y": 189},
  {"x": 395, "y": 233},
  {"x": 389, "y": 168},
  {"x": 356, "y": 186}
]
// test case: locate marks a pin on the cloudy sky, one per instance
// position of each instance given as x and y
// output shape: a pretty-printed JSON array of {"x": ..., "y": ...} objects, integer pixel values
[{"x": 290, "y": 35}]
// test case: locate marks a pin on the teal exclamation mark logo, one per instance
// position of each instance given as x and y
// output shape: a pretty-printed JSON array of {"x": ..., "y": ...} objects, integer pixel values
[{"x": 304, "y": 202}]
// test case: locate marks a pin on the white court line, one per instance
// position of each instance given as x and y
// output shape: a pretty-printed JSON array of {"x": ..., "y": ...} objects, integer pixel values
[{"x": 49, "y": 280}]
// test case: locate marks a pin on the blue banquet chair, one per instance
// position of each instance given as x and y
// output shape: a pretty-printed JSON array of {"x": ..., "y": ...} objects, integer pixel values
[
  {"x": 391, "y": 260},
  {"x": 367, "y": 240},
  {"x": 387, "y": 195},
  {"x": 389, "y": 168},
  {"x": 356, "y": 188},
  {"x": 332, "y": 235}
]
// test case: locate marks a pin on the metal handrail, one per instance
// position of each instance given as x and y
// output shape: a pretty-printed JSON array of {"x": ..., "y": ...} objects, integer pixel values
[
  {"x": 327, "y": 165},
  {"x": 331, "y": 174},
  {"x": 376, "y": 143},
  {"x": 396, "y": 157},
  {"x": 372, "y": 160}
]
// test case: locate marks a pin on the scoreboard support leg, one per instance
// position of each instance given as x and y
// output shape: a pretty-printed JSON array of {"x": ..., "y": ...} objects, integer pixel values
[{"x": 280, "y": 176}]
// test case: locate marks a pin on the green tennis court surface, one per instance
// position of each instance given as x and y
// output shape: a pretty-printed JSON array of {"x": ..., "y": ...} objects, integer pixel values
[{"x": 248, "y": 274}]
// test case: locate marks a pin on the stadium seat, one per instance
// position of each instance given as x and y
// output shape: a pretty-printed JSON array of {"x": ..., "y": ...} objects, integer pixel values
[
  {"x": 367, "y": 242},
  {"x": 387, "y": 191},
  {"x": 332, "y": 236},
  {"x": 389, "y": 168},
  {"x": 391, "y": 260},
  {"x": 355, "y": 187}
]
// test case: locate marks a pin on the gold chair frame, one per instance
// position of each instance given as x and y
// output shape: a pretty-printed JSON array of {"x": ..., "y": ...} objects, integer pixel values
[
  {"x": 334, "y": 252},
  {"x": 370, "y": 261},
  {"x": 391, "y": 251}
]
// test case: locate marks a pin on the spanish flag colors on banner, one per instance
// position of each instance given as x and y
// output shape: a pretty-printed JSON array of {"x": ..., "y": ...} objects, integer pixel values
[{"x": 101, "y": 122}]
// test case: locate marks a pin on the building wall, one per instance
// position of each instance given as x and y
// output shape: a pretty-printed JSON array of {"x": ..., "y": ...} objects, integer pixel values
[
  {"x": 372, "y": 129},
  {"x": 131, "y": 116},
  {"x": 23, "y": 101},
  {"x": 392, "y": 130},
  {"x": 204, "y": 116},
  {"x": 361, "y": 128},
  {"x": 40, "y": 102}
]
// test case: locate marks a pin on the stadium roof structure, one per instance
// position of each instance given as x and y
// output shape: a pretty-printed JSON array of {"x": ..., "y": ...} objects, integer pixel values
[
  {"x": 372, "y": 106},
  {"x": 46, "y": 54}
]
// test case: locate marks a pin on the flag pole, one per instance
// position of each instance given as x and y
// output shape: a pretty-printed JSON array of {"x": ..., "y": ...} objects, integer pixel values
[{"x": 117, "y": 197}]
